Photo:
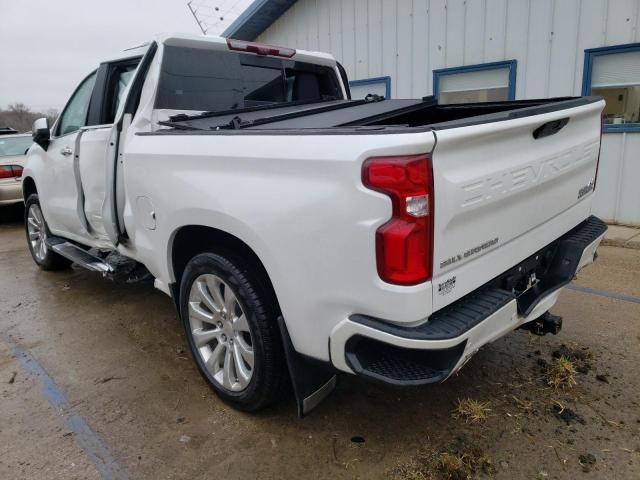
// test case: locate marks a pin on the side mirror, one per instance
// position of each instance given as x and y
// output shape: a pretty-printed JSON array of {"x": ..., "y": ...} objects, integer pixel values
[{"x": 41, "y": 133}]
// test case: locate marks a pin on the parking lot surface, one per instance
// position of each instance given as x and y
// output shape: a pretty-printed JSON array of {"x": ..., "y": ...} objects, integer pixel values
[{"x": 96, "y": 382}]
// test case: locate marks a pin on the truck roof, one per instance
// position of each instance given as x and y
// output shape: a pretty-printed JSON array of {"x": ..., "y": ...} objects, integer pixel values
[{"x": 215, "y": 43}]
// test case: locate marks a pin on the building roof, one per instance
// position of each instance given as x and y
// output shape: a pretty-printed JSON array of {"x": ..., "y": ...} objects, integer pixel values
[{"x": 257, "y": 18}]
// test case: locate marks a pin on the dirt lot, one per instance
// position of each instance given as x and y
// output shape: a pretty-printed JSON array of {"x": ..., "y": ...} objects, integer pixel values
[{"x": 95, "y": 382}]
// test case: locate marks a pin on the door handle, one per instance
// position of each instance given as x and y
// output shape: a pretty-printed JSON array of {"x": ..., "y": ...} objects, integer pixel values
[{"x": 66, "y": 151}]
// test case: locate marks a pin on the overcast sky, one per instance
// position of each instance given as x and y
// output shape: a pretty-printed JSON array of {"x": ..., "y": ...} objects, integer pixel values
[{"x": 48, "y": 46}]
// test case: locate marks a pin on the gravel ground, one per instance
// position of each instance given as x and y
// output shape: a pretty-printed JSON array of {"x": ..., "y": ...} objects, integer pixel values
[{"x": 96, "y": 382}]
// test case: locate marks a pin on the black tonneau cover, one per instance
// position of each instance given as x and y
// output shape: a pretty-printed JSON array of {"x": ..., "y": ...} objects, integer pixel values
[
  {"x": 352, "y": 114},
  {"x": 372, "y": 114},
  {"x": 316, "y": 115}
]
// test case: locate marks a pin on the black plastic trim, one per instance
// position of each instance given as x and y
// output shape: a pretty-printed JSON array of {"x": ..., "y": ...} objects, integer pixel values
[
  {"x": 365, "y": 130},
  {"x": 94, "y": 114},
  {"x": 400, "y": 366},
  {"x": 451, "y": 321},
  {"x": 291, "y": 115},
  {"x": 426, "y": 102},
  {"x": 176, "y": 120},
  {"x": 550, "y": 128},
  {"x": 537, "y": 109},
  {"x": 566, "y": 253}
]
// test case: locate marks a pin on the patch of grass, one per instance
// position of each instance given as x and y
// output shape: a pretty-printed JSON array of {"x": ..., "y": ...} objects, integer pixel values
[
  {"x": 459, "y": 466},
  {"x": 581, "y": 357},
  {"x": 449, "y": 465},
  {"x": 454, "y": 466},
  {"x": 411, "y": 471},
  {"x": 562, "y": 373},
  {"x": 419, "y": 467},
  {"x": 471, "y": 411}
]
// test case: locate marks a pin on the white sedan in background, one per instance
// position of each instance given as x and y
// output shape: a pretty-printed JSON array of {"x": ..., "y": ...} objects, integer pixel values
[{"x": 13, "y": 149}]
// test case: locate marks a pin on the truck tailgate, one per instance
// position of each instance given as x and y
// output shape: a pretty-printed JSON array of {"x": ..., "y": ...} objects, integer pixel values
[{"x": 505, "y": 189}]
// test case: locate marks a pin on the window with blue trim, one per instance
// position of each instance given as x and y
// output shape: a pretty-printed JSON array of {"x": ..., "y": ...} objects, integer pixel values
[
  {"x": 487, "y": 82},
  {"x": 614, "y": 74},
  {"x": 377, "y": 86}
]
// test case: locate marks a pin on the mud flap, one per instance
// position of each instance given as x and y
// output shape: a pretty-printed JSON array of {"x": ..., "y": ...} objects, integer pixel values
[{"x": 312, "y": 380}]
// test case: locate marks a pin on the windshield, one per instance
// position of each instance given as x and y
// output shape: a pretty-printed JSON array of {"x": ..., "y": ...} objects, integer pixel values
[
  {"x": 14, "y": 145},
  {"x": 213, "y": 81}
]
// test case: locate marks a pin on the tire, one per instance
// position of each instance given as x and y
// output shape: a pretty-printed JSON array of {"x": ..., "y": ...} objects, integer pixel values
[
  {"x": 236, "y": 344},
  {"x": 37, "y": 232}
]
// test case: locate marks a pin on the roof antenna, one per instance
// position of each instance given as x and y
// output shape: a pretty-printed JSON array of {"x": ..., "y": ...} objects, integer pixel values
[
  {"x": 212, "y": 16},
  {"x": 194, "y": 12}
]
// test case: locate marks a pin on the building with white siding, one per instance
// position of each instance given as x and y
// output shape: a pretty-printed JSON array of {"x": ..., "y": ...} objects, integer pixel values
[{"x": 477, "y": 50}]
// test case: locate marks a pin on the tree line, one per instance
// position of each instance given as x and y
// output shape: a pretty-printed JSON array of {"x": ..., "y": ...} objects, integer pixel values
[{"x": 20, "y": 117}]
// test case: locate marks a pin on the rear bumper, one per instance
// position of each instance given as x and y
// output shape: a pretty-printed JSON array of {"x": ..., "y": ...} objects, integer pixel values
[
  {"x": 10, "y": 192},
  {"x": 432, "y": 351}
]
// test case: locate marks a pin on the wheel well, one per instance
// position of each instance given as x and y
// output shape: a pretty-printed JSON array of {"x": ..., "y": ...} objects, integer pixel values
[
  {"x": 28, "y": 187},
  {"x": 191, "y": 240}
]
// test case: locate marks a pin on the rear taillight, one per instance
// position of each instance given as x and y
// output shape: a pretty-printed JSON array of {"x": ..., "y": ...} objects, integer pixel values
[
  {"x": 404, "y": 245},
  {"x": 260, "y": 48},
  {"x": 10, "y": 171}
]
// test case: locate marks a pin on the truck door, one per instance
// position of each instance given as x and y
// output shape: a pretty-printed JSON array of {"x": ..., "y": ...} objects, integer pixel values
[
  {"x": 58, "y": 194},
  {"x": 100, "y": 199},
  {"x": 98, "y": 148}
]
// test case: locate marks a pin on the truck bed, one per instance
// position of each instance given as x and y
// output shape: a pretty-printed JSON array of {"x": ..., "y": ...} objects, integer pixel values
[
  {"x": 425, "y": 112},
  {"x": 508, "y": 177}
]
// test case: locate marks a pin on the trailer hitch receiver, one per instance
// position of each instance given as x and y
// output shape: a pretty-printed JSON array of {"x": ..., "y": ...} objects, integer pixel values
[{"x": 546, "y": 323}]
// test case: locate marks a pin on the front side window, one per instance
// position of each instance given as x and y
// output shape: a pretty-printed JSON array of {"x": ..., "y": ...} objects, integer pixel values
[
  {"x": 489, "y": 82},
  {"x": 614, "y": 74},
  {"x": 14, "y": 145},
  {"x": 74, "y": 115},
  {"x": 213, "y": 80}
]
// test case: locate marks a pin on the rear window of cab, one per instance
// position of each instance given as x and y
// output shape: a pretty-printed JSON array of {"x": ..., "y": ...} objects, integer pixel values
[{"x": 213, "y": 80}]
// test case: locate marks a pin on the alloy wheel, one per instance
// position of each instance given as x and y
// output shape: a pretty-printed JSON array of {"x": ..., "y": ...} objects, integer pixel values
[
  {"x": 221, "y": 332},
  {"x": 37, "y": 232}
]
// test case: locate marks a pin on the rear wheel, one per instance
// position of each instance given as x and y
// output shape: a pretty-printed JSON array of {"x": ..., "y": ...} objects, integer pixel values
[
  {"x": 232, "y": 331},
  {"x": 37, "y": 234}
]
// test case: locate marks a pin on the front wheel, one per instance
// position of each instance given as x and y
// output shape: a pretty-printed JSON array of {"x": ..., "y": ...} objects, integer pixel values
[
  {"x": 231, "y": 328},
  {"x": 37, "y": 232}
]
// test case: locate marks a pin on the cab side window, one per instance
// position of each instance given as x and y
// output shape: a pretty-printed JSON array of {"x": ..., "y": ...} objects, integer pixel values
[
  {"x": 74, "y": 115},
  {"x": 120, "y": 80}
]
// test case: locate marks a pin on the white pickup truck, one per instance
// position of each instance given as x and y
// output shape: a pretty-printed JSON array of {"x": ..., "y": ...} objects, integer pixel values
[{"x": 301, "y": 233}]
